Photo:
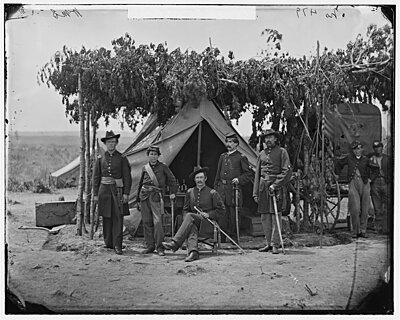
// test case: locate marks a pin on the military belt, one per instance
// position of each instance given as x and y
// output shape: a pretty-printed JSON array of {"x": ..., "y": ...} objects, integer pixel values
[
  {"x": 226, "y": 181},
  {"x": 110, "y": 180},
  {"x": 268, "y": 176},
  {"x": 151, "y": 188}
]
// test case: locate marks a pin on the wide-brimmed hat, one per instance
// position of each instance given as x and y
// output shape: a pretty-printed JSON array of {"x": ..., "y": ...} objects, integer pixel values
[
  {"x": 110, "y": 135},
  {"x": 153, "y": 148},
  {"x": 198, "y": 170},
  {"x": 270, "y": 132},
  {"x": 355, "y": 144},
  {"x": 377, "y": 144}
]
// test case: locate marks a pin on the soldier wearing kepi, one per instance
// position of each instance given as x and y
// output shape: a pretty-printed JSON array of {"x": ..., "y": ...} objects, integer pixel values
[
  {"x": 381, "y": 169},
  {"x": 111, "y": 186},
  {"x": 205, "y": 199},
  {"x": 358, "y": 174},
  {"x": 273, "y": 172},
  {"x": 233, "y": 169},
  {"x": 156, "y": 176}
]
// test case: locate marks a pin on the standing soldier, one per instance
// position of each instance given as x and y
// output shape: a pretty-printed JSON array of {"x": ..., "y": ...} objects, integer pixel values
[
  {"x": 156, "y": 176},
  {"x": 358, "y": 174},
  {"x": 111, "y": 186},
  {"x": 381, "y": 187},
  {"x": 233, "y": 171},
  {"x": 273, "y": 172}
]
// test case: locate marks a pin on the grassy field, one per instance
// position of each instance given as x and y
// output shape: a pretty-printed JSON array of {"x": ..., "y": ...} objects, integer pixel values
[{"x": 33, "y": 156}]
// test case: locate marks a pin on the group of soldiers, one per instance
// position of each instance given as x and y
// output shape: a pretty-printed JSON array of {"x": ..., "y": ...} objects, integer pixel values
[{"x": 203, "y": 206}]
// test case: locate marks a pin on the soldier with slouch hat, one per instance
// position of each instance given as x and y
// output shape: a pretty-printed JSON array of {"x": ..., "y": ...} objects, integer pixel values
[
  {"x": 205, "y": 199},
  {"x": 273, "y": 172},
  {"x": 111, "y": 186}
]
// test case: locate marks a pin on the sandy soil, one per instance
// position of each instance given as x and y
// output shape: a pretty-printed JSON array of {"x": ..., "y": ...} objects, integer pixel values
[{"x": 69, "y": 274}]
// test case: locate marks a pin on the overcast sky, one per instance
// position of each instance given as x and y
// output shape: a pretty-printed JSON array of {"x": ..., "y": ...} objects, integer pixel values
[{"x": 31, "y": 42}]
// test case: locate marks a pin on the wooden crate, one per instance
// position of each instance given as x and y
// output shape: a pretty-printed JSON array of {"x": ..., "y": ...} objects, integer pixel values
[
  {"x": 254, "y": 226},
  {"x": 55, "y": 213}
]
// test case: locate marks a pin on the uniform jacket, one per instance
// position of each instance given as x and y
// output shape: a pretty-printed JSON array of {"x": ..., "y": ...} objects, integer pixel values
[
  {"x": 230, "y": 166},
  {"x": 273, "y": 168},
  {"x": 165, "y": 178},
  {"x": 363, "y": 165},
  {"x": 116, "y": 166},
  {"x": 207, "y": 200},
  {"x": 385, "y": 170}
]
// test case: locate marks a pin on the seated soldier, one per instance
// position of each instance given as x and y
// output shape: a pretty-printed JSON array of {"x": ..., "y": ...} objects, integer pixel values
[{"x": 205, "y": 199}]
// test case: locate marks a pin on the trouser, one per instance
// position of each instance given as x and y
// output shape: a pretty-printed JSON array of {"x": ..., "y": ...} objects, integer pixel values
[
  {"x": 112, "y": 228},
  {"x": 227, "y": 222},
  {"x": 152, "y": 223},
  {"x": 270, "y": 227},
  {"x": 380, "y": 198},
  {"x": 359, "y": 203},
  {"x": 189, "y": 230}
]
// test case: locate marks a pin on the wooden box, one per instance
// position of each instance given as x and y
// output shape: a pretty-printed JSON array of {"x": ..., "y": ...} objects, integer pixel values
[
  {"x": 55, "y": 213},
  {"x": 254, "y": 226}
]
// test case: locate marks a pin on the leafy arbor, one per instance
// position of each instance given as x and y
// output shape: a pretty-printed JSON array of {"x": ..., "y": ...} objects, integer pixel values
[{"x": 287, "y": 92}]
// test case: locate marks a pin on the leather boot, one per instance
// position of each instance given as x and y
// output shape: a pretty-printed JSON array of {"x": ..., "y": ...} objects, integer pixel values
[{"x": 194, "y": 255}]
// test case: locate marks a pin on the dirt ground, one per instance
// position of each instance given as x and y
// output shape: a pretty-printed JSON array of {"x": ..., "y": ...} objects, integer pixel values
[{"x": 71, "y": 274}]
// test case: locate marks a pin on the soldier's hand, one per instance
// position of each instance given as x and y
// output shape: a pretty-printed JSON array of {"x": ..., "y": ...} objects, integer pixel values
[
  {"x": 125, "y": 198},
  {"x": 205, "y": 215},
  {"x": 255, "y": 199},
  {"x": 139, "y": 207},
  {"x": 235, "y": 181},
  {"x": 172, "y": 196}
]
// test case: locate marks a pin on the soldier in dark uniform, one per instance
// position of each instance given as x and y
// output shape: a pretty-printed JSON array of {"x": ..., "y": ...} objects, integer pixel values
[
  {"x": 381, "y": 180},
  {"x": 358, "y": 176},
  {"x": 156, "y": 176},
  {"x": 233, "y": 169},
  {"x": 273, "y": 172},
  {"x": 111, "y": 186},
  {"x": 204, "y": 198}
]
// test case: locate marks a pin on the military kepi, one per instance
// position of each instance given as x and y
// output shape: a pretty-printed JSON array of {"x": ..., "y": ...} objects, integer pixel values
[
  {"x": 231, "y": 135},
  {"x": 269, "y": 132},
  {"x": 153, "y": 148},
  {"x": 198, "y": 170},
  {"x": 110, "y": 135},
  {"x": 355, "y": 144}
]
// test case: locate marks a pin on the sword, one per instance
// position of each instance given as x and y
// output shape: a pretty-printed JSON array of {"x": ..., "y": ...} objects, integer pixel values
[
  {"x": 214, "y": 224},
  {"x": 172, "y": 217},
  {"x": 277, "y": 220},
  {"x": 236, "y": 188}
]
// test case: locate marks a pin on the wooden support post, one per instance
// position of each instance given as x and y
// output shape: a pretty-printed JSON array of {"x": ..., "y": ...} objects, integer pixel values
[
  {"x": 199, "y": 143},
  {"x": 82, "y": 160},
  {"x": 298, "y": 201}
]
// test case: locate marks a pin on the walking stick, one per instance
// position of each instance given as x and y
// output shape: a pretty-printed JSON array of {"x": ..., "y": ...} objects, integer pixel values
[
  {"x": 277, "y": 220},
  {"x": 236, "y": 188},
  {"x": 213, "y": 223},
  {"x": 172, "y": 217}
]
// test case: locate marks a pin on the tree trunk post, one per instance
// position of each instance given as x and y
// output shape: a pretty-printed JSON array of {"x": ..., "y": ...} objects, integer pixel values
[
  {"x": 82, "y": 160},
  {"x": 88, "y": 194},
  {"x": 93, "y": 159},
  {"x": 306, "y": 168}
]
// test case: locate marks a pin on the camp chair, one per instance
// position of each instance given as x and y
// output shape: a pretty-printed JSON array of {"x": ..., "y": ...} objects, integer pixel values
[{"x": 215, "y": 241}]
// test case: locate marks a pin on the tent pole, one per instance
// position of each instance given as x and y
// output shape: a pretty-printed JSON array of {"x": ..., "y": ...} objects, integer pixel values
[{"x": 199, "y": 143}]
